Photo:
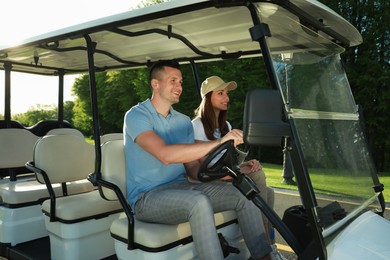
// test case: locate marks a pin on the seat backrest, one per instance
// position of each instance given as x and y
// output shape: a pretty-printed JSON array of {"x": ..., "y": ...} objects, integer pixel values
[
  {"x": 10, "y": 124},
  {"x": 113, "y": 167},
  {"x": 263, "y": 123},
  {"x": 110, "y": 137},
  {"x": 64, "y": 158},
  {"x": 42, "y": 127},
  {"x": 16, "y": 148},
  {"x": 65, "y": 131}
]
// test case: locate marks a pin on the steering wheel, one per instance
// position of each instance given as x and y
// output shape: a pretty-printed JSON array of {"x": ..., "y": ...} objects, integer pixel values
[{"x": 219, "y": 169}]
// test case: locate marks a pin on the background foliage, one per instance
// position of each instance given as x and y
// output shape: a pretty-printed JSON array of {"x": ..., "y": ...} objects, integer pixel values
[{"x": 368, "y": 69}]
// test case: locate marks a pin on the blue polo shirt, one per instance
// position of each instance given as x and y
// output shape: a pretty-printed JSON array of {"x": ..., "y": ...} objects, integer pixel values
[{"x": 143, "y": 171}]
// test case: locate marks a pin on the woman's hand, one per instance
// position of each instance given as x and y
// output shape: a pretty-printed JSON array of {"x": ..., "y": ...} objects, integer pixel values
[{"x": 250, "y": 166}]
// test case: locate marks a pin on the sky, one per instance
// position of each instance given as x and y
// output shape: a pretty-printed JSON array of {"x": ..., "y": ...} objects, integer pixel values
[{"x": 21, "y": 19}]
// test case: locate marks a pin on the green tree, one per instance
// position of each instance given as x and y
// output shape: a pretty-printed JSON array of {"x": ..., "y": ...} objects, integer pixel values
[
  {"x": 117, "y": 91},
  {"x": 141, "y": 85},
  {"x": 44, "y": 112},
  {"x": 116, "y": 97},
  {"x": 68, "y": 111},
  {"x": 82, "y": 118},
  {"x": 368, "y": 68},
  {"x": 36, "y": 114}
]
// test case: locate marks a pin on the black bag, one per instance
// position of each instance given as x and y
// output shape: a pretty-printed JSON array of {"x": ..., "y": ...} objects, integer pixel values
[{"x": 296, "y": 220}]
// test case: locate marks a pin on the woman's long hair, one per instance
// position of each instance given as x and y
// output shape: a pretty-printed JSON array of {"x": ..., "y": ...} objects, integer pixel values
[{"x": 206, "y": 113}]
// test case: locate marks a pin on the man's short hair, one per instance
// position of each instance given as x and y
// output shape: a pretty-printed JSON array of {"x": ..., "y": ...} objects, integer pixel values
[{"x": 159, "y": 66}]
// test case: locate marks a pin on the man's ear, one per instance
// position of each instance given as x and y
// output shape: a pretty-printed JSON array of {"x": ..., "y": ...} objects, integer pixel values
[{"x": 154, "y": 83}]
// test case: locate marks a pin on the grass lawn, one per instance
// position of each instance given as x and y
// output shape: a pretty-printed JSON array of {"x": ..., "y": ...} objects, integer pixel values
[{"x": 274, "y": 178}]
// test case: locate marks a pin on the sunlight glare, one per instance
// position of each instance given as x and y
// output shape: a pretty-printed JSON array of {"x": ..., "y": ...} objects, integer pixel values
[{"x": 23, "y": 19}]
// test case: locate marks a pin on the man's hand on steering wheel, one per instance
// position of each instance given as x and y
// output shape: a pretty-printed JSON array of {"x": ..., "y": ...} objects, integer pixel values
[{"x": 236, "y": 135}]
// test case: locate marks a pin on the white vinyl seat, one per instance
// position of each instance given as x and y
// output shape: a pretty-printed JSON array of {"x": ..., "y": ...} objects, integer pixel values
[
  {"x": 65, "y": 131},
  {"x": 110, "y": 137},
  {"x": 16, "y": 146},
  {"x": 21, "y": 218},
  {"x": 78, "y": 225},
  {"x": 135, "y": 239}
]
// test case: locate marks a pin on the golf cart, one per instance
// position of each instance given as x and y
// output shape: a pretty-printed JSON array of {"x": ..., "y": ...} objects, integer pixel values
[{"x": 299, "y": 41}]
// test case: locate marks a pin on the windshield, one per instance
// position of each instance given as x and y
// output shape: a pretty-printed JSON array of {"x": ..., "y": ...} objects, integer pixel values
[{"x": 320, "y": 105}]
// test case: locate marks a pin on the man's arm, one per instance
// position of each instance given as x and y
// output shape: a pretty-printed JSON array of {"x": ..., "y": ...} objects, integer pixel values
[{"x": 181, "y": 153}]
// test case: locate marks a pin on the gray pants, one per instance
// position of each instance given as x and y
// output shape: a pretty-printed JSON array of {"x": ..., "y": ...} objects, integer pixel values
[{"x": 196, "y": 203}]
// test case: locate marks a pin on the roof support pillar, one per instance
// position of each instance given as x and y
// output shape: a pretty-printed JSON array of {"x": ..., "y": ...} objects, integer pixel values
[
  {"x": 60, "y": 112},
  {"x": 196, "y": 76},
  {"x": 91, "y": 47},
  {"x": 7, "y": 93}
]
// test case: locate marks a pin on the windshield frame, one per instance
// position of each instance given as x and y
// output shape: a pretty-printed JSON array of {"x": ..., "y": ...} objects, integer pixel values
[{"x": 318, "y": 66}]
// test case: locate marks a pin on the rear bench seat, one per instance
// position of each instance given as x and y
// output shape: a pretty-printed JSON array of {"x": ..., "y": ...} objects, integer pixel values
[
  {"x": 78, "y": 224},
  {"x": 21, "y": 218},
  {"x": 16, "y": 148},
  {"x": 150, "y": 238}
]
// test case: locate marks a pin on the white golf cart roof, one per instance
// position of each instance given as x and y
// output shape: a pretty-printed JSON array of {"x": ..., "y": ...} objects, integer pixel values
[{"x": 136, "y": 38}]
